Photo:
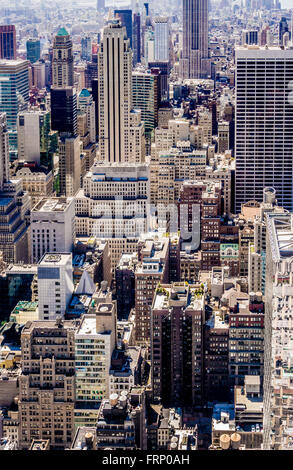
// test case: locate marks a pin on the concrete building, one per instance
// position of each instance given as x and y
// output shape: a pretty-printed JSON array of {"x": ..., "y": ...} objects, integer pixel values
[
  {"x": 177, "y": 345},
  {"x": 55, "y": 285},
  {"x": 162, "y": 39},
  {"x": 194, "y": 62},
  {"x": 62, "y": 60},
  {"x": 69, "y": 164},
  {"x": 263, "y": 157},
  {"x": 46, "y": 385},
  {"x": 153, "y": 268},
  {"x": 95, "y": 340},
  {"x": 52, "y": 227},
  {"x": 278, "y": 391},
  {"x": 33, "y": 129},
  {"x": 125, "y": 414},
  {"x": 121, "y": 135}
]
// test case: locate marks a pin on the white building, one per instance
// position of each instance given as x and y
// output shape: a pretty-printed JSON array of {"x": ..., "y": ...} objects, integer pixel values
[
  {"x": 278, "y": 358},
  {"x": 116, "y": 124},
  {"x": 55, "y": 285},
  {"x": 30, "y": 130},
  {"x": 162, "y": 39},
  {"x": 263, "y": 127},
  {"x": 52, "y": 227},
  {"x": 113, "y": 204},
  {"x": 87, "y": 105}
]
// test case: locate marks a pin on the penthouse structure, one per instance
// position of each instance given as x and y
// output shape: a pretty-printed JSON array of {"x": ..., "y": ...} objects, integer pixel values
[{"x": 46, "y": 385}]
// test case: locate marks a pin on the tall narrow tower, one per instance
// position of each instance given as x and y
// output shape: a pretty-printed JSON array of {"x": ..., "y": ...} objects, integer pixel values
[
  {"x": 194, "y": 62},
  {"x": 4, "y": 151},
  {"x": 62, "y": 63},
  {"x": 119, "y": 133}
]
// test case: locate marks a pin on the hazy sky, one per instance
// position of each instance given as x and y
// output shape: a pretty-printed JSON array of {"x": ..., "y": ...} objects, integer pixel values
[{"x": 287, "y": 3}]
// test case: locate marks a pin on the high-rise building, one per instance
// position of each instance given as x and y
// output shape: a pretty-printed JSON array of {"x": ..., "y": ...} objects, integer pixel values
[
  {"x": 86, "y": 48},
  {"x": 52, "y": 227},
  {"x": 278, "y": 387},
  {"x": 4, "y": 153},
  {"x": 250, "y": 37},
  {"x": 264, "y": 132},
  {"x": 33, "y": 50},
  {"x": 194, "y": 62},
  {"x": 14, "y": 94},
  {"x": 177, "y": 320},
  {"x": 69, "y": 164},
  {"x": 46, "y": 385},
  {"x": 93, "y": 363},
  {"x": 33, "y": 129},
  {"x": 125, "y": 17},
  {"x": 62, "y": 61},
  {"x": 136, "y": 39},
  {"x": 162, "y": 39},
  {"x": 7, "y": 42},
  {"x": 121, "y": 134},
  {"x": 283, "y": 28},
  {"x": 146, "y": 97},
  {"x": 55, "y": 285},
  {"x": 87, "y": 105},
  {"x": 64, "y": 110}
]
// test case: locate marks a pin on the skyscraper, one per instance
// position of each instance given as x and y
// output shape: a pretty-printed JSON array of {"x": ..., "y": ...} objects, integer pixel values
[
  {"x": 136, "y": 39},
  {"x": 62, "y": 62},
  {"x": 4, "y": 155},
  {"x": 264, "y": 130},
  {"x": 194, "y": 62},
  {"x": 161, "y": 39},
  {"x": 33, "y": 50},
  {"x": 7, "y": 42},
  {"x": 118, "y": 125},
  {"x": 64, "y": 110},
  {"x": 125, "y": 17},
  {"x": 14, "y": 94}
]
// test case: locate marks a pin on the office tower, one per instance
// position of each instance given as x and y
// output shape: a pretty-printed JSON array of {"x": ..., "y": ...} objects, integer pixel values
[
  {"x": 52, "y": 227},
  {"x": 4, "y": 151},
  {"x": 7, "y": 42},
  {"x": 162, "y": 39},
  {"x": 93, "y": 363},
  {"x": 125, "y": 17},
  {"x": 249, "y": 37},
  {"x": 87, "y": 105},
  {"x": 283, "y": 28},
  {"x": 95, "y": 95},
  {"x": 121, "y": 132},
  {"x": 224, "y": 136},
  {"x": 146, "y": 97},
  {"x": 46, "y": 384},
  {"x": 153, "y": 268},
  {"x": 100, "y": 5},
  {"x": 55, "y": 285},
  {"x": 14, "y": 94},
  {"x": 278, "y": 385},
  {"x": 113, "y": 204},
  {"x": 64, "y": 110},
  {"x": 69, "y": 164},
  {"x": 194, "y": 62},
  {"x": 264, "y": 133},
  {"x": 246, "y": 337},
  {"x": 39, "y": 74},
  {"x": 33, "y": 128},
  {"x": 163, "y": 70},
  {"x": 62, "y": 60},
  {"x": 136, "y": 39},
  {"x": 127, "y": 413},
  {"x": 86, "y": 48},
  {"x": 33, "y": 50},
  {"x": 149, "y": 46},
  {"x": 177, "y": 318}
]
